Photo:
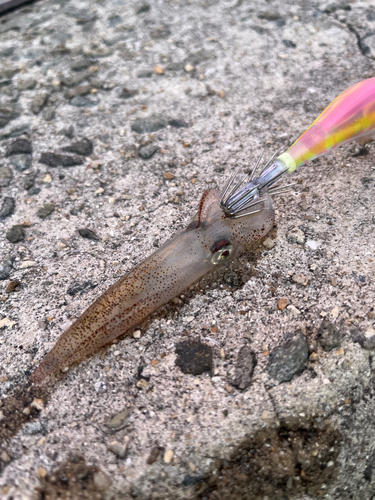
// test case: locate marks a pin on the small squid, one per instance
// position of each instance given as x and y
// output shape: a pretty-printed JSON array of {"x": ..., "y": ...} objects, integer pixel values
[{"x": 226, "y": 225}]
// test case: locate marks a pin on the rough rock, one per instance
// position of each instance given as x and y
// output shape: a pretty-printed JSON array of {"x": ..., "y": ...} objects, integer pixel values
[
  {"x": 46, "y": 210},
  {"x": 296, "y": 236},
  {"x": 56, "y": 160},
  {"x": 21, "y": 162},
  {"x": 245, "y": 364},
  {"x": 38, "y": 102},
  {"x": 15, "y": 234},
  {"x": 193, "y": 357},
  {"x": 149, "y": 124},
  {"x": 147, "y": 152},
  {"x": 88, "y": 234},
  {"x": 19, "y": 146},
  {"x": 288, "y": 359},
  {"x": 6, "y": 267},
  {"x": 329, "y": 335},
  {"x": 7, "y": 207},
  {"x": 82, "y": 147},
  {"x": 6, "y": 175}
]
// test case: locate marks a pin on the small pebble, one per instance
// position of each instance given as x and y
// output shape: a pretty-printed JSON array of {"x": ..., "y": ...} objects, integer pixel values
[
  {"x": 26, "y": 264},
  {"x": 282, "y": 303},
  {"x": 193, "y": 357},
  {"x": 15, "y": 234},
  {"x": 38, "y": 404},
  {"x": 189, "y": 68},
  {"x": 47, "y": 179},
  {"x": 85, "y": 232},
  {"x": 329, "y": 336},
  {"x": 46, "y": 210},
  {"x": 137, "y": 334},
  {"x": 118, "y": 421},
  {"x": 21, "y": 162},
  {"x": 296, "y": 236},
  {"x": 7, "y": 207},
  {"x": 300, "y": 279},
  {"x": 159, "y": 70},
  {"x": 83, "y": 147},
  {"x": 19, "y": 146},
  {"x": 147, "y": 152},
  {"x": 168, "y": 176},
  {"x": 6, "y": 175},
  {"x": 269, "y": 243},
  {"x": 102, "y": 481},
  {"x": 56, "y": 160},
  {"x": 168, "y": 455},
  {"x": 288, "y": 359},
  {"x": 12, "y": 285},
  {"x": 42, "y": 473},
  {"x": 6, "y": 266},
  {"x": 312, "y": 244},
  {"x": 5, "y": 457},
  {"x": 38, "y": 102},
  {"x": 32, "y": 428},
  {"x": 335, "y": 312},
  {"x": 155, "y": 452},
  {"x": 117, "y": 448},
  {"x": 245, "y": 364},
  {"x": 293, "y": 310},
  {"x": 149, "y": 124}
]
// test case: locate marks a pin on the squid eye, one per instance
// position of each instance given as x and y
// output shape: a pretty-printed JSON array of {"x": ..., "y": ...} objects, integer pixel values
[{"x": 221, "y": 251}]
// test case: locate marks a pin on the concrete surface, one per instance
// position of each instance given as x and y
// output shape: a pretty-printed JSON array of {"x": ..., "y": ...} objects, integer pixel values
[{"x": 241, "y": 75}]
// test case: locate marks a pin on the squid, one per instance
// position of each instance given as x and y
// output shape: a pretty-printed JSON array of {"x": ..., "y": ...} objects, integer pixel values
[{"x": 226, "y": 224}]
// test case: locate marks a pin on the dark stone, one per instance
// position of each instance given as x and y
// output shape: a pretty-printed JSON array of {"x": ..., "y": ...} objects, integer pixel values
[
  {"x": 232, "y": 279},
  {"x": 193, "y": 357},
  {"x": 144, "y": 73},
  {"x": 87, "y": 233},
  {"x": 143, "y": 8},
  {"x": 175, "y": 66},
  {"x": 32, "y": 428},
  {"x": 329, "y": 336},
  {"x": 289, "y": 44},
  {"x": 245, "y": 365},
  {"x": 177, "y": 123},
  {"x": 126, "y": 93},
  {"x": 15, "y": 234},
  {"x": 46, "y": 210},
  {"x": 19, "y": 146},
  {"x": 38, "y": 102},
  {"x": 27, "y": 84},
  {"x": 49, "y": 114},
  {"x": 7, "y": 207},
  {"x": 68, "y": 132},
  {"x": 114, "y": 20},
  {"x": 81, "y": 64},
  {"x": 365, "y": 341},
  {"x": 21, "y": 162},
  {"x": 56, "y": 160},
  {"x": 34, "y": 191},
  {"x": 28, "y": 181},
  {"x": 288, "y": 359},
  {"x": 6, "y": 176},
  {"x": 147, "y": 152},
  {"x": 160, "y": 32},
  {"x": 16, "y": 131},
  {"x": 269, "y": 15},
  {"x": 191, "y": 480},
  {"x": 7, "y": 115},
  {"x": 83, "y": 101},
  {"x": 82, "y": 147},
  {"x": 6, "y": 266},
  {"x": 74, "y": 80},
  {"x": 87, "y": 285},
  {"x": 149, "y": 124},
  {"x": 80, "y": 90}
]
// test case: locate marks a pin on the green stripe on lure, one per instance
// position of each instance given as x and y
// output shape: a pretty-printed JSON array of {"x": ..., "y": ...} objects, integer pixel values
[{"x": 226, "y": 224}]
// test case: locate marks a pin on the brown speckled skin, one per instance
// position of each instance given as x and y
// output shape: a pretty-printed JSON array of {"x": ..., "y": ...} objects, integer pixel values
[{"x": 165, "y": 274}]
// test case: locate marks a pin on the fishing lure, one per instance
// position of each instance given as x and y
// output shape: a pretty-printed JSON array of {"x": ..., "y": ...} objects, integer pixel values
[{"x": 226, "y": 224}]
